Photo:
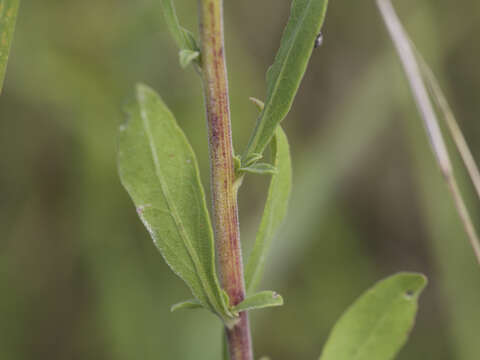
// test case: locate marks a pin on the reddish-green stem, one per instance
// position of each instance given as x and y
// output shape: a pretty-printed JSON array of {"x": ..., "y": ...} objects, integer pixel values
[{"x": 224, "y": 197}]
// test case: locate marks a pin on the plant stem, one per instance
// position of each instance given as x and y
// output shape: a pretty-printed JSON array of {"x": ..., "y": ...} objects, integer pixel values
[{"x": 224, "y": 197}]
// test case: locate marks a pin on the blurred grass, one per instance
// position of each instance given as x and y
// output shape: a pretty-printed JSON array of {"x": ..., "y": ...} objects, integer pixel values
[{"x": 80, "y": 278}]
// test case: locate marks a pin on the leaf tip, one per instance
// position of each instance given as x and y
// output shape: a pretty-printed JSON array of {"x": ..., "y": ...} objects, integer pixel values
[
  {"x": 278, "y": 298},
  {"x": 142, "y": 90},
  {"x": 411, "y": 284},
  {"x": 140, "y": 87},
  {"x": 416, "y": 284},
  {"x": 258, "y": 103},
  {"x": 186, "y": 305}
]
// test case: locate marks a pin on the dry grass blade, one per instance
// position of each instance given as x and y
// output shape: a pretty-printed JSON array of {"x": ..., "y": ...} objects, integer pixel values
[
  {"x": 451, "y": 122},
  {"x": 412, "y": 69}
]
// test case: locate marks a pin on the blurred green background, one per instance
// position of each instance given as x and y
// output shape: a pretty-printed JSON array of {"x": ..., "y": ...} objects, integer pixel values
[{"x": 80, "y": 277}]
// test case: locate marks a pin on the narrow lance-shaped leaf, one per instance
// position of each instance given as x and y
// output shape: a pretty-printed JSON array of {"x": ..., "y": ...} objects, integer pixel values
[
  {"x": 258, "y": 168},
  {"x": 259, "y": 300},
  {"x": 186, "y": 305},
  {"x": 275, "y": 209},
  {"x": 377, "y": 325},
  {"x": 286, "y": 73},
  {"x": 159, "y": 170},
  {"x": 189, "y": 49},
  {"x": 8, "y": 17}
]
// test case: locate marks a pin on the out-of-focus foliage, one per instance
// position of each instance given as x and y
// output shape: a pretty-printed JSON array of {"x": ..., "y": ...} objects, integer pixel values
[
  {"x": 79, "y": 275},
  {"x": 8, "y": 16}
]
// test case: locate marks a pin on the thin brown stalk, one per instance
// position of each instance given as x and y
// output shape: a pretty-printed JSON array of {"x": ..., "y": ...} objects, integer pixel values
[
  {"x": 452, "y": 124},
  {"x": 425, "y": 107},
  {"x": 224, "y": 199}
]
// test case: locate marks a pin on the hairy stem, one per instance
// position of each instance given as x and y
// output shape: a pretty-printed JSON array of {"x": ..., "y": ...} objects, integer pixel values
[{"x": 224, "y": 198}]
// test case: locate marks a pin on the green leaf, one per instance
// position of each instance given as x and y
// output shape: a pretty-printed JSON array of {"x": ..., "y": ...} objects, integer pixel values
[
  {"x": 190, "y": 43},
  {"x": 258, "y": 168},
  {"x": 187, "y": 57},
  {"x": 259, "y": 300},
  {"x": 8, "y": 18},
  {"x": 185, "y": 40},
  {"x": 186, "y": 305},
  {"x": 252, "y": 159},
  {"x": 377, "y": 325},
  {"x": 159, "y": 170},
  {"x": 275, "y": 209},
  {"x": 286, "y": 73},
  {"x": 173, "y": 24}
]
